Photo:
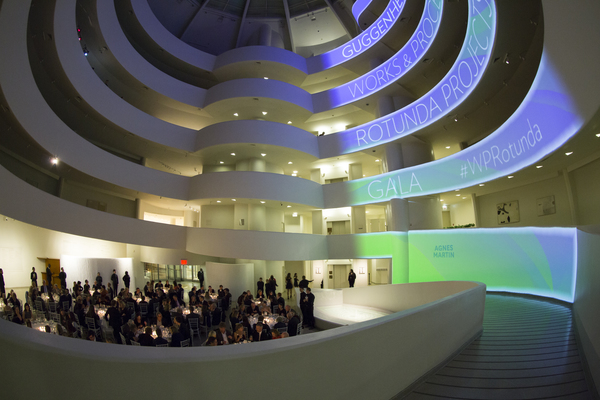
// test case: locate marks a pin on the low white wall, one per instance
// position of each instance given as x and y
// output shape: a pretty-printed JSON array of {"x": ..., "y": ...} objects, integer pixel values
[
  {"x": 236, "y": 277},
  {"x": 587, "y": 299},
  {"x": 81, "y": 268},
  {"x": 343, "y": 363}
]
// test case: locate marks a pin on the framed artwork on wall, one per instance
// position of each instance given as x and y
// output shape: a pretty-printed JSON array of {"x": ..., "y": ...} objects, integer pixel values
[
  {"x": 546, "y": 206},
  {"x": 508, "y": 213}
]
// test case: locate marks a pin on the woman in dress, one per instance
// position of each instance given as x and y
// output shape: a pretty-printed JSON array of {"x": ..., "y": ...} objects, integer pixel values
[
  {"x": 295, "y": 280},
  {"x": 27, "y": 312},
  {"x": 238, "y": 334},
  {"x": 288, "y": 285}
]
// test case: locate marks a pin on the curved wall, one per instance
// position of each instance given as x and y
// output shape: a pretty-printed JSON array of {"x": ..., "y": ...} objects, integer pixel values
[{"x": 420, "y": 339}]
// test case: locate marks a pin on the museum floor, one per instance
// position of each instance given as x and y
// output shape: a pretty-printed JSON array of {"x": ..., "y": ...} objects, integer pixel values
[{"x": 528, "y": 350}]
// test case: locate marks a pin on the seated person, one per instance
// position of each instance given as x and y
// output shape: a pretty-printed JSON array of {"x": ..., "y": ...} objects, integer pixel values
[
  {"x": 145, "y": 339},
  {"x": 275, "y": 334},
  {"x": 138, "y": 322},
  {"x": 233, "y": 318},
  {"x": 238, "y": 335},
  {"x": 159, "y": 339},
  {"x": 260, "y": 334},
  {"x": 223, "y": 336},
  {"x": 293, "y": 322},
  {"x": 280, "y": 323},
  {"x": 260, "y": 295},
  {"x": 211, "y": 341},
  {"x": 280, "y": 310},
  {"x": 176, "y": 337},
  {"x": 252, "y": 310},
  {"x": 17, "y": 318}
]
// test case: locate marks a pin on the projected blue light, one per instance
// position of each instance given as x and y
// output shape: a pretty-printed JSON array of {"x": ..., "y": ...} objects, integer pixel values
[{"x": 399, "y": 64}]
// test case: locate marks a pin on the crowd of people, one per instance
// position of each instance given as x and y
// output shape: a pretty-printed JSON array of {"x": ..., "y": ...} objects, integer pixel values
[{"x": 157, "y": 312}]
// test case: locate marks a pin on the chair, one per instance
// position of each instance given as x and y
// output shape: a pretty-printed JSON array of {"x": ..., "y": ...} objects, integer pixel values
[
  {"x": 299, "y": 329},
  {"x": 283, "y": 329},
  {"x": 123, "y": 339},
  {"x": 155, "y": 307},
  {"x": 55, "y": 317},
  {"x": 130, "y": 306},
  {"x": 65, "y": 306},
  {"x": 204, "y": 326},
  {"x": 123, "y": 327},
  {"x": 91, "y": 324},
  {"x": 144, "y": 311},
  {"x": 39, "y": 306},
  {"x": 185, "y": 343},
  {"x": 194, "y": 324},
  {"x": 77, "y": 329},
  {"x": 216, "y": 317},
  {"x": 52, "y": 306},
  {"x": 246, "y": 332},
  {"x": 162, "y": 345},
  {"x": 134, "y": 343}
]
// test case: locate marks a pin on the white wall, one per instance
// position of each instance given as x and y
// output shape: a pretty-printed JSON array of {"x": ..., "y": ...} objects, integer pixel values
[
  {"x": 220, "y": 217},
  {"x": 236, "y": 277},
  {"x": 527, "y": 197},
  {"x": 587, "y": 300},
  {"x": 82, "y": 268},
  {"x": 586, "y": 185},
  {"x": 462, "y": 213}
]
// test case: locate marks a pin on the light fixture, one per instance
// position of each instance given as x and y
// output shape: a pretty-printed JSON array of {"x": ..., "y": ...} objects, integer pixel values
[
  {"x": 569, "y": 153},
  {"x": 54, "y": 160},
  {"x": 235, "y": 114},
  {"x": 539, "y": 166},
  {"x": 233, "y": 154},
  {"x": 221, "y": 162},
  {"x": 377, "y": 160},
  {"x": 262, "y": 202},
  {"x": 264, "y": 113},
  {"x": 464, "y": 198},
  {"x": 456, "y": 190},
  {"x": 441, "y": 199},
  {"x": 263, "y": 154},
  {"x": 233, "y": 200},
  {"x": 458, "y": 195},
  {"x": 295, "y": 214},
  {"x": 364, "y": 175},
  {"x": 218, "y": 201},
  {"x": 597, "y": 134},
  {"x": 289, "y": 206},
  {"x": 290, "y": 163},
  {"x": 289, "y": 122},
  {"x": 447, "y": 147},
  {"x": 295, "y": 172},
  {"x": 266, "y": 77},
  {"x": 482, "y": 184},
  {"x": 510, "y": 177}
]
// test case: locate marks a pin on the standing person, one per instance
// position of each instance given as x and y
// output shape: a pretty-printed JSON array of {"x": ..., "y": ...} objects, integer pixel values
[
  {"x": 310, "y": 308},
  {"x": 303, "y": 305},
  {"x": 260, "y": 286},
  {"x": 351, "y": 278},
  {"x": 304, "y": 282},
  {"x": 295, "y": 280},
  {"x": 49, "y": 275},
  {"x": 288, "y": 285},
  {"x": 127, "y": 279},
  {"x": 33, "y": 276},
  {"x": 114, "y": 278},
  {"x": 63, "y": 278},
  {"x": 201, "y": 277},
  {"x": 99, "y": 281},
  {"x": 2, "y": 289}
]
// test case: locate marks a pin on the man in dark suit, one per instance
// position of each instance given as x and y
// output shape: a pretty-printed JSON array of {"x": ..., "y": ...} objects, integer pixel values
[
  {"x": 126, "y": 279},
  {"x": 146, "y": 339},
  {"x": 62, "y": 276},
  {"x": 159, "y": 339},
  {"x": 177, "y": 337},
  {"x": 310, "y": 308},
  {"x": 201, "y": 277},
  {"x": 260, "y": 286},
  {"x": 225, "y": 302},
  {"x": 33, "y": 277},
  {"x": 49, "y": 275},
  {"x": 114, "y": 278},
  {"x": 303, "y": 305},
  {"x": 113, "y": 316},
  {"x": 220, "y": 292},
  {"x": 293, "y": 322},
  {"x": 260, "y": 334},
  {"x": 223, "y": 335}
]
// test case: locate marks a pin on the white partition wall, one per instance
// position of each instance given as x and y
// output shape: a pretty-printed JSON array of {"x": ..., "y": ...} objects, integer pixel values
[
  {"x": 81, "y": 268},
  {"x": 236, "y": 277}
]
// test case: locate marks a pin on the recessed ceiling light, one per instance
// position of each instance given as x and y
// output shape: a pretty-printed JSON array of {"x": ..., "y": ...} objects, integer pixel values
[
  {"x": 233, "y": 154},
  {"x": 266, "y": 77},
  {"x": 289, "y": 122},
  {"x": 597, "y": 134},
  {"x": 441, "y": 199},
  {"x": 364, "y": 175},
  {"x": 289, "y": 206},
  {"x": 218, "y": 201},
  {"x": 54, "y": 160},
  {"x": 294, "y": 214},
  {"x": 510, "y": 177},
  {"x": 290, "y": 163},
  {"x": 295, "y": 172},
  {"x": 482, "y": 184},
  {"x": 456, "y": 190},
  {"x": 235, "y": 114},
  {"x": 221, "y": 162},
  {"x": 263, "y": 154},
  {"x": 539, "y": 166},
  {"x": 447, "y": 147},
  {"x": 262, "y": 202},
  {"x": 366, "y": 212},
  {"x": 569, "y": 153},
  {"x": 264, "y": 113},
  {"x": 233, "y": 200},
  {"x": 377, "y": 160},
  {"x": 464, "y": 198},
  {"x": 458, "y": 195}
]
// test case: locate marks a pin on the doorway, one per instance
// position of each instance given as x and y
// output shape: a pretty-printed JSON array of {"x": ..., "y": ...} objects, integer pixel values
[{"x": 340, "y": 276}]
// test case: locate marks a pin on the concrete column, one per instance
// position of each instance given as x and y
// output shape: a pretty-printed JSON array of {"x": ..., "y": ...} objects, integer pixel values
[
  {"x": 190, "y": 218},
  {"x": 317, "y": 222},
  {"x": 264, "y": 35},
  {"x": 257, "y": 217},
  {"x": 393, "y": 158},
  {"x": 475, "y": 209},
  {"x": 359, "y": 219},
  {"x": 256, "y": 164},
  {"x": 397, "y": 215},
  {"x": 385, "y": 106},
  {"x": 139, "y": 213},
  {"x": 355, "y": 171},
  {"x": 316, "y": 176}
]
